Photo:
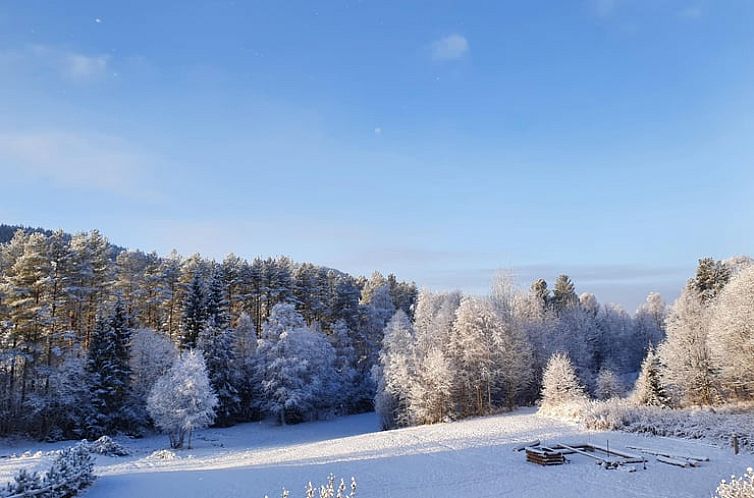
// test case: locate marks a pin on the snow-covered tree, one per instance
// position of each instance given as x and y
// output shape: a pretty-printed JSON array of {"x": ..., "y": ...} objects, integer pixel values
[
  {"x": 245, "y": 364},
  {"x": 395, "y": 372},
  {"x": 710, "y": 278},
  {"x": 560, "y": 385},
  {"x": 564, "y": 293},
  {"x": 182, "y": 400},
  {"x": 494, "y": 358},
  {"x": 110, "y": 373},
  {"x": 649, "y": 321},
  {"x": 194, "y": 312},
  {"x": 608, "y": 385},
  {"x": 216, "y": 345},
  {"x": 731, "y": 336},
  {"x": 688, "y": 365},
  {"x": 296, "y": 366},
  {"x": 649, "y": 389},
  {"x": 431, "y": 392},
  {"x": 345, "y": 363},
  {"x": 151, "y": 355}
]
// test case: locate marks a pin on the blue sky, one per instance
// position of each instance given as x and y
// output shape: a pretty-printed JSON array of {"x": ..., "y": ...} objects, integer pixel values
[{"x": 609, "y": 139}]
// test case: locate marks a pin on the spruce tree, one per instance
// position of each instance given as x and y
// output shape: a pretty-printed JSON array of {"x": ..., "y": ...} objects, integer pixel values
[
  {"x": 216, "y": 345},
  {"x": 560, "y": 385},
  {"x": 194, "y": 312},
  {"x": 216, "y": 305},
  {"x": 108, "y": 367},
  {"x": 564, "y": 294},
  {"x": 649, "y": 389}
]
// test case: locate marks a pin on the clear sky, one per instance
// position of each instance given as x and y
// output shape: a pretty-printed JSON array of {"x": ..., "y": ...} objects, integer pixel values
[{"x": 609, "y": 139}]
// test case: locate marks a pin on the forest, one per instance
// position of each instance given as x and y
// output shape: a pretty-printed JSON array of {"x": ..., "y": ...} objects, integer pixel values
[{"x": 96, "y": 339}]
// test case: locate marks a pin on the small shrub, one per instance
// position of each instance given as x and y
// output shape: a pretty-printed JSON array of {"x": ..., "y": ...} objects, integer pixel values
[
  {"x": 71, "y": 471},
  {"x": 163, "y": 455},
  {"x": 327, "y": 490},
  {"x": 106, "y": 446},
  {"x": 738, "y": 487}
]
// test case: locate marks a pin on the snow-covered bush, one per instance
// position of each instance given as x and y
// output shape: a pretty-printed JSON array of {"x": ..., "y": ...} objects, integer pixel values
[
  {"x": 70, "y": 472},
  {"x": 182, "y": 400},
  {"x": 106, "y": 446},
  {"x": 738, "y": 487},
  {"x": 327, "y": 490},
  {"x": 162, "y": 455},
  {"x": 716, "y": 426},
  {"x": 562, "y": 393}
]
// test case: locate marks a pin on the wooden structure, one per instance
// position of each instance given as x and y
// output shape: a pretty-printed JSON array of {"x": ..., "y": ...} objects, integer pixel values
[
  {"x": 544, "y": 456},
  {"x": 555, "y": 455}
]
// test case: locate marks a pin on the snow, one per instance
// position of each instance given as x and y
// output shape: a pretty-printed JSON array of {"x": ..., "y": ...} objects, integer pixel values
[{"x": 473, "y": 457}]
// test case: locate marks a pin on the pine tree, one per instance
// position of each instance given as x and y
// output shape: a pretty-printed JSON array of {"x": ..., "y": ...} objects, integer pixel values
[
  {"x": 711, "y": 276},
  {"x": 540, "y": 293},
  {"x": 649, "y": 389},
  {"x": 108, "y": 367},
  {"x": 560, "y": 385},
  {"x": 182, "y": 400},
  {"x": 245, "y": 364}
]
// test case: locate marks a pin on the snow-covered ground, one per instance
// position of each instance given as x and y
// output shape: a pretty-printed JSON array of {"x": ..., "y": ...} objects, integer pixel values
[{"x": 469, "y": 458}]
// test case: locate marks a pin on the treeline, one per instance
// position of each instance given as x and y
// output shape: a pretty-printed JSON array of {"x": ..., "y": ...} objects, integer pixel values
[
  {"x": 465, "y": 356},
  {"x": 86, "y": 329}
]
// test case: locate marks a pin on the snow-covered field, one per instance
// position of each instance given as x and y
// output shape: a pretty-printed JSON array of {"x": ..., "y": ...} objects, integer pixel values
[{"x": 471, "y": 458}]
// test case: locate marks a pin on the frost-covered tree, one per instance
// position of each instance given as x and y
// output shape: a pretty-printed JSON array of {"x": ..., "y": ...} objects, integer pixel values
[
  {"x": 564, "y": 293},
  {"x": 245, "y": 364},
  {"x": 345, "y": 363},
  {"x": 649, "y": 389},
  {"x": 296, "y": 366},
  {"x": 216, "y": 345},
  {"x": 649, "y": 321},
  {"x": 688, "y": 365},
  {"x": 194, "y": 312},
  {"x": 710, "y": 278},
  {"x": 182, "y": 400},
  {"x": 560, "y": 385},
  {"x": 110, "y": 373},
  {"x": 608, "y": 385},
  {"x": 152, "y": 354},
  {"x": 216, "y": 303},
  {"x": 395, "y": 372},
  {"x": 64, "y": 409},
  {"x": 431, "y": 392},
  {"x": 731, "y": 338},
  {"x": 620, "y": 346},
  {"x": 494, "y": 358}
]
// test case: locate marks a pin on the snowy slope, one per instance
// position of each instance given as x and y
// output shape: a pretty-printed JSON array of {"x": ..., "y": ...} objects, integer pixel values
[{"x": 467, "y": 458}]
